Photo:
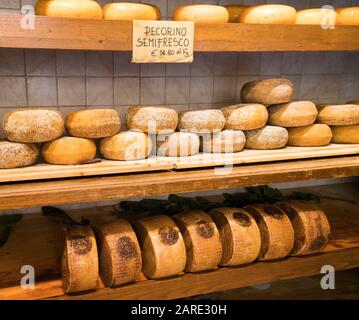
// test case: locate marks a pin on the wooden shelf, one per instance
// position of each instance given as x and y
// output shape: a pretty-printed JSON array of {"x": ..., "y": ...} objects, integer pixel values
[{"x": 55, "y": 33}]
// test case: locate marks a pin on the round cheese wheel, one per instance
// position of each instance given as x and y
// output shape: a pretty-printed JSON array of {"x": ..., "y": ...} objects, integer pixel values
[
  {"x": 266, "y": 138},
  {"x": 227, "y": 141},
  {"x": 127, "y": 11},
  {"x": 69, "y": 150},
  {"x": 79, "y": 264},
  {"x": 162, "y": 245},
  {"x": 268, "y": 14},
  {"x": 316, "y": 16},
  {"x": 345, "y": 134},
  {"x": 17, "y": 155},
  {"x": 127, "y": 145},
  {"x": 201, "y": 13},
  {"x": 178, "y": 144},
  {"x": 120, "y": 254},
  {"x": 234, "y": 11},
  {"x": 315, "y": 135},
  {"x": 93, "y": 124},
  {"x": 202, "y": 240},
  {"x": 348, "y": 16},
  {"x": 201, "y": 121},
  {"x": 245, "y": 116},
  {"x": 82, "y": 9},
  {"x": 240, "y": 236},
  {"x": 277, "y": 235},
  {"x": 33, "y": 126},
  {"x": 153, "y": 120},
  {"x": 293, "y": 114},
  {"x": 310, "y": 225},
  {"x": 268, "y": 91},
  {"x": 338, "y": 115}
]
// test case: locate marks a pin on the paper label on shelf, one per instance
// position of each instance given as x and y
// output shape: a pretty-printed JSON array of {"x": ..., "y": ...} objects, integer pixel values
[{"x": 162, "y": 41}]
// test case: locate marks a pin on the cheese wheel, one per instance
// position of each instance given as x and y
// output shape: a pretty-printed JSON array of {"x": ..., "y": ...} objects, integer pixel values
[
  {"x": 245, "y": 116},
  {"x": 322, "y": 16},
  {"x": 178, "y": 144},
  {"x": 201, "y": 13},
  {"x": 338, "y": 115},
  {"x": 234, "y": 11},
  {"x": 345, "y": 134},
  {"x": 69, "y": 150},
  {"x": 292, "y": 114},
  {"x": 33, "y": 126},
  {"x": 227, "y": 141},
  {"x": 268, "y": 14},
  {"x": 310, "y": 225},
  {"x": 120, "y": 254},
  {"x": 153, "y": 120},
  {"x": 315, "y": 135},
  {"x": 201, "y": 121},
  {"x": 352, "y": 102},
  {"x": 79, "y": 264},
  {"x": 348, "y": 16},
  {"x": 240, "y": 236},
  {"x": 127, "y": 145},
  {"x": 93, "y": 124},
  {"x": 17, "y": 155},
  {"x": 202, "y": 240},
  {"x": 82, "y": 9},
  {"x": 268, "y": 91},
  {"x": 277, "y": 235},
  {"x": 266, "y": 138},
  {"x": 127, "y": 11},
  {"x": 162, "y": 245}
]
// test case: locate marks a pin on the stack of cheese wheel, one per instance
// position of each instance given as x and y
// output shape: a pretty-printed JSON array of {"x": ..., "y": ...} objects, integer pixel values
[
  {"x": 343, "y": 121},
  {"x": 234, "y": 11},
  {"x": 162, "y": 246},
  {"x": 311, "y": 226},
  {"x": 80, "y": 270},
  {"x": 348, "y": 16},
  {"x": 120, "y": 254},
  {"x": 201, "y": 13},
  {"x": 126, "y": 11},
  {"x": 268, "y": 14},
  {"x": 82, "y": 9},
  {"x": 323, "y": 16},
  {"x": 240, "y": 236},
  {"x": 277, "y": 235},
  {"x": 202, "y": 240}
]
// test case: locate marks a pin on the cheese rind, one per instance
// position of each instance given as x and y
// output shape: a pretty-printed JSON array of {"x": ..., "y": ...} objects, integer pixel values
[
  {"x": 266, "y": 138},
  {"x": 268, "y": 14},
  {"x": 69, "y": 150},
  {"x": 268, "y": 91},
  {"x": 227, "y": 141},
  {"x": 348, "y": 16},
  {"x": 315, "y": 135},
  {"x": 245, "y": 116},
  {"x": 323, "y": 16},
  {"x": 17, "y": 155},
  {"x": 338, "y": 115},
  {"x": 33, "y": 125},
  {"x": 345, "y": 134},
  {"x": 177, "y": 144},
  {"x": 201, "y": 13},
  {"x": 292, "y": 114},
  {"x": 234, "y": 12},
  {"x": 126, "y": 11},
  {"x": 201, "y": 121}
]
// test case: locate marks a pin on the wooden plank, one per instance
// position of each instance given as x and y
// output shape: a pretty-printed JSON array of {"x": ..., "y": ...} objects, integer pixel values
[
  {"x": 55, "y": 33},
  {"x": 80, "y": 190}
]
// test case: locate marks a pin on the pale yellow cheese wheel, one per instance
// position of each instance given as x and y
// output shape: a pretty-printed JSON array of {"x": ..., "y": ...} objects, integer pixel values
[
  {"x": 320, "y": 16},
  {"x": 153, "y": 120},
  {"x": 69, "y": 150},
  {"x": 93, "y": 124},
  {"x": 81, "y": 9},
  {"x": 201, "y": 121},
  {"x": 348, "y": 16},
  {"x": 338, "y": 115},
  {"x": 345, "y": 134},
  {"x": 33, "y": 125},
  {"x": 227, "y": 141},
  {"x": 127, "y": 11},
  {"x": 245, "y": 116},
  {"x": 17, "y": 155},
  {"x": 268, "y": 14},
  {"x": 292, "y": 114},
  {"x": 201, "y": 13},
  {"x": 177, "y": 144},
  {"x": 315, "y": 135},
  {"x": 127, "y": 145},
  {"x": 234, "y": 11},
  {"x": 266, "y": 138}
]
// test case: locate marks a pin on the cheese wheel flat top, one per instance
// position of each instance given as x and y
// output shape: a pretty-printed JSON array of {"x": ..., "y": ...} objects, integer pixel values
[
  {"x": 315, "y": 135},
  {"x": 201, "y": 13},
  {"x": 234, "y": 11},
  {"x": 338, "y": 115},
  {"x": 268, "y": 14},
  {"x": 201, "y": 121},
  {"x": 348, "y": 16},
  {"x": 127, "y": 11},
  {"x": 177, "y": 144},
  {"x": 227, "y": 141},
  {"x": 320, "y": 16},
  {"x": 345, "y": 134},
  {"x": 17, "y": 155},
  {"x": 266, "y": 138}
]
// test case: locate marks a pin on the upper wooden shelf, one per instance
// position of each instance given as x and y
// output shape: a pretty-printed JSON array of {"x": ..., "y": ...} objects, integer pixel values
[{"x": 55, "y": 33}]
